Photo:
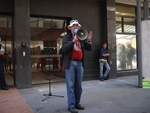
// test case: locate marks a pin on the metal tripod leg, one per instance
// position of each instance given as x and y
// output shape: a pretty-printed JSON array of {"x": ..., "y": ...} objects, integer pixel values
[{"x": 50, "y": 94}]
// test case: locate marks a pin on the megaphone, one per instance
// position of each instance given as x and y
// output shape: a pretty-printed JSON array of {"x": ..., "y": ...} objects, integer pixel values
[{"x": 81, "y": 33}]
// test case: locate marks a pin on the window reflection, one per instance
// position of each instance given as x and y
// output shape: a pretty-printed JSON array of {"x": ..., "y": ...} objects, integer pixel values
[
  {"x": 6, "y": 41},
  {"x": 126, "y": 38},
  {"x": 126, "y": 52},
  {"x": 46, "y": 23},
  {"x": 125, "y": 25},
  {"x": 129, "y": 25},
  {"x": 118, "y": 25},
  {"x": 46, "y": 39}
]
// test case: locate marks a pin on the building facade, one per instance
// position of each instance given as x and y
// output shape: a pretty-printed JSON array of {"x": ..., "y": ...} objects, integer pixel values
[{"x": 32, "y": 30}]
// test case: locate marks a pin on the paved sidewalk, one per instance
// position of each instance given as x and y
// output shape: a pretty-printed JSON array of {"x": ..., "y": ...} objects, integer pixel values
[
  {"x": 112, "y": 96},
  {"x": 11, "y": 101}
]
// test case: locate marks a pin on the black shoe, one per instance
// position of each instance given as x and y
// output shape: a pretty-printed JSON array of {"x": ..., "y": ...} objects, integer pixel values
[
  {"x": 106, "y": 78},
  {"x": 4, "y": 88},
  {"x": 101, "y": 79},
  {"x": 79, "y": 107},
  {"x": 72, "y": 110}
]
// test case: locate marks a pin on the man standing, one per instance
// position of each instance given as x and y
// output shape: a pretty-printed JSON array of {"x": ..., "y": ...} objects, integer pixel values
[
  {"x": 103, "y": 62},
  {"x": 2, "y": 78},
  {"x": 72, "y": 50},
  {"x": 130, "y": 55}
]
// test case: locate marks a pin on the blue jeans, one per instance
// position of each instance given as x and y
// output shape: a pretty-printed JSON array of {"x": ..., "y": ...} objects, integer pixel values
[
  {"x": 101, "y": 65},
  {"x": 74, "y": 77}
]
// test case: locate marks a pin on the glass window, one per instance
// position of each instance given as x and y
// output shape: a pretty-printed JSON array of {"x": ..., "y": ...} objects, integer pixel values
[
  {"x": 129, "y": 25},
  {"x": 125, "y": 10},
  {"x": 125, "y": 24},
  {"x": 6, "y": 40},
  {"x": 5, "y": 22},
  {"x": 46, "y": 39},
  {"x": 118, "y": 24},
  {"x": 126, "y": 52},
  {"x": 46, "y": 23},
  {"x": 126, "y": 37}
]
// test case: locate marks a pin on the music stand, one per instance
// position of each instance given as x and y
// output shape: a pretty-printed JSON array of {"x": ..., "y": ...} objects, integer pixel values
[{"x": 50, "y": 94}]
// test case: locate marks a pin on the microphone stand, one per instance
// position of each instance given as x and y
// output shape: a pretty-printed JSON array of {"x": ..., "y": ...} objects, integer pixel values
[{"x": 49, "y": 93}]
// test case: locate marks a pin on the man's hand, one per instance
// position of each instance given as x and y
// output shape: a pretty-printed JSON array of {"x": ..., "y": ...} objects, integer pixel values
[
  {"x": 105, "y": 55},
  {"x": 75, "y": 38},
  {"x": 90, "y": 36}
]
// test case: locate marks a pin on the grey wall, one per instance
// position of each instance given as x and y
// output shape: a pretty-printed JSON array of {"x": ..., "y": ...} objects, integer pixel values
[{"x": 6, "y": 6}]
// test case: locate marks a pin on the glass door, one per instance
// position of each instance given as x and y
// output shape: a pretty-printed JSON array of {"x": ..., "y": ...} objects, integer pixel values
[
  {"x": 126, "y": 43},
  {"x": 6, "y": 41},
  {"x": 46, "y": 41}
]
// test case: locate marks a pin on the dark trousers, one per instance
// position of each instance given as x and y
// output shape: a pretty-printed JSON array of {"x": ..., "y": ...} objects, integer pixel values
[{"x": 2, "y": 78}]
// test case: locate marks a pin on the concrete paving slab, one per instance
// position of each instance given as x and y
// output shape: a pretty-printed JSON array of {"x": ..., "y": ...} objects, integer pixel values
[{"x": 120, "y": 95}]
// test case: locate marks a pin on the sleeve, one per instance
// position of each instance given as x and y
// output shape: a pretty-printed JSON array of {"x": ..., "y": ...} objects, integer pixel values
[
  {"x": 107, "y": 52},
  {"x": 86, "y": 46},
  {"x": 67, "y": 45},
  {"x": 102, "y": 52}
]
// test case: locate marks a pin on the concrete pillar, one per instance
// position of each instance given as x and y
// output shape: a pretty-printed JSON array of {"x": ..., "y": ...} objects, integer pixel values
[
  {"x": 21, "y": 31},
  {"x": 145, "y": 42},
  {"x": 111, "y": 36}
]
